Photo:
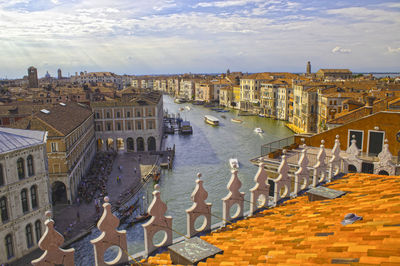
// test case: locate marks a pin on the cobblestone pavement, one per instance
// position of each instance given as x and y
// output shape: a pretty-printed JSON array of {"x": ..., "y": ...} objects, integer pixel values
[{"x": 66, "y": 215}]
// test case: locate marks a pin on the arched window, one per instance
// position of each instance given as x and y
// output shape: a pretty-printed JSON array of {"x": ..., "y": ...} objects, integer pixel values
[
  {"x": 29, "y": 235},
  {"x": 30, "y": 165},
  {"x": 38, "y": 230},
  {"x": 1, "y": 176},
  {"x": 20, "y": 168},
  {"x": 24, "y": 200},
  {"x": 3, "y": 209},
  {"x": 9, "y": 246},
  {"x": 34, "y": 199}
]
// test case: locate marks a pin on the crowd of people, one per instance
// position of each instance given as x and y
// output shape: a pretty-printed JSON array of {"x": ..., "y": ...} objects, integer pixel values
[{"x": 94, "y": 184}]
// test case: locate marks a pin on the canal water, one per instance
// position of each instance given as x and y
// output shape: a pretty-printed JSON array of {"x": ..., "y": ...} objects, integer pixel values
[{"x": 207, "y": 151}]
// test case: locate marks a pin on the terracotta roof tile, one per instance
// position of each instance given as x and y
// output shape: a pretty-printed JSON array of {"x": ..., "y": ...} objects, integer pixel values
[{"x": 308, "y": 233}]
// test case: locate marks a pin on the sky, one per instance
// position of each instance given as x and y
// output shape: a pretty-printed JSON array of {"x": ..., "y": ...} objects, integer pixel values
[{"x": 180, "y": 36}]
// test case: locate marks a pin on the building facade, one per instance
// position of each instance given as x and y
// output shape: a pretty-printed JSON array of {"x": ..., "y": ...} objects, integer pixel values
[
  {"x": 132, "y": 124},
  {"x": 70, "y": 145},
  {"x": 24, "y": 191}
]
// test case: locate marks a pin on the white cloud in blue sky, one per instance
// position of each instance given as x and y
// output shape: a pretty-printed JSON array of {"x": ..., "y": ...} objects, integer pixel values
[{"x": 177, "y": 36}]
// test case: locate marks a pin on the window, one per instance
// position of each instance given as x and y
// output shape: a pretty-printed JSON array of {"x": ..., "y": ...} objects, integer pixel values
[
  {"x": 24, "y": 200},
  {"x": 30, "y": 165},
  {"x": 108, "y": 126},
  {"x": 129, "y": 126},
  {"x": 34, "y": 201},
  {"x": 138, "y": 113},
  {"x": 1, "y": 176},
  {"x": 29, "y": 236},
  {"x": 97, "y": 115},
  {"x": 128, "y": 114},
  {"x": 9, "y": 246},
  {"x": 108, "y": 114},
  {"x": 118, "y": 126},
  {"x": 118, "y": 114},
  {"x": 38, "y": 230},
  {"x": 20, "y": 168},
  {"x": 3, "y": 209},
  {"x": 54, "y": 146},
  {"x": 139, "y": 125}
]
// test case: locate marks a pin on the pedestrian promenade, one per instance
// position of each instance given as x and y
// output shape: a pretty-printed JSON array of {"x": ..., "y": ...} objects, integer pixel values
[{"x": 75, "y": 219}]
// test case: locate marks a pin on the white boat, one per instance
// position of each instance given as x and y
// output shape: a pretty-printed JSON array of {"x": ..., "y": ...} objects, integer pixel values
[
  {"x": 234, "y": 163},
  {"x": 212, "y": 120},
  {"x": 258, "y": 130},
  {"x": 188, "y": 107}
]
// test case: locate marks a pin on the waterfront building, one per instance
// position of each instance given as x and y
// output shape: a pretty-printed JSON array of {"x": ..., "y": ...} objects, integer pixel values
[
  {"x": 236, "y": 96},
  {"x": 250, "y": 90},
  {"x": 131, "y": 124},
  {"x": 226, "y": 97},
  {"x": 217, "y": 87},
  {"x": 24, "y": 191},
  {"x": 32, "y": 78},
  {"x": 70, "y": 145},
  {"x": 284, "y": 108},
  {"x": 203, "y": 91},
  {"x": 187, "y": 89},
  {"x": 270, "y": 97},
  {"x": 305, "y": 106},
  {"x": 334, "y": 74}
]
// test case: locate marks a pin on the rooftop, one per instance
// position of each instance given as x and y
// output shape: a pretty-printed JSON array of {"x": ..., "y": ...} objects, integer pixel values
[
  {"x": 300, "y": 232},
  {"x": 14, "y": 139}
]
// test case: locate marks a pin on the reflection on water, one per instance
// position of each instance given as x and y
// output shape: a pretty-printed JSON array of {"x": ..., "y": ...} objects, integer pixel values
[{"x": 206, "y": 151}]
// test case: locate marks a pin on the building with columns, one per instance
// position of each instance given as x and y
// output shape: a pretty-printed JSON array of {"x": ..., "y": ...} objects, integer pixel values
[
  {"x": 133, "y": 123},
  {"x": 24, "y": 191}
]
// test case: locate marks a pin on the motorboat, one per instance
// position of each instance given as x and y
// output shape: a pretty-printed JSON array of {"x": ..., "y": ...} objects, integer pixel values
[
  {"x": 236, "y": 120},
  {"x": 258, "y": 130},
  {"x": 188, "y": 107},
  {"x": 234, "y": 163},
  {"x": 212, "y": 120}
]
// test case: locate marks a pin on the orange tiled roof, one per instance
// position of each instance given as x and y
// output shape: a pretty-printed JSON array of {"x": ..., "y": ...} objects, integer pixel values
[{"x": 300, "y": 232}]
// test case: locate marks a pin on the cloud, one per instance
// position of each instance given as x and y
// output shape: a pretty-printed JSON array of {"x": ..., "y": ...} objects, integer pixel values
[
  {"x": 393, "y": 50},
  {"x": 229, "y": 3},
  {"x": 341, "y": 50}
]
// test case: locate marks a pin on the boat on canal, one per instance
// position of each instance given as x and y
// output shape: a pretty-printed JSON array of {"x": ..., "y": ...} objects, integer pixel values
[
  {"x": 186, "y": 128},
  {"x": 212, "y": 120},
  {"x": 236, "y": 120},
  {"x": 258, "y": 130}
]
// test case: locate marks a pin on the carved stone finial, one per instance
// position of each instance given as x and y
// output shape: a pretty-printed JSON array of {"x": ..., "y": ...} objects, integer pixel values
[
  {"x": 320, "y": 166},
  {"x": 261, "y": 188},
  {"x": 302, "y": 175},
  {"x": 50, "y": 242},
  {"x": 385, "y": 164},
  {"x": 198, "y": 175},
  {"x": 158, "y": 222},
  {"x": 199, "y": 208},
  {"x": 234, "y": 197},
  {"x": 109, "y": 236},
  {"x": 336, "y": 161},
  {"x": 282, "y": 182}
]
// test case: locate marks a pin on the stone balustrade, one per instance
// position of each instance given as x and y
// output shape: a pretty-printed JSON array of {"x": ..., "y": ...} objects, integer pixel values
[{"x": 283, "y": 188}]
